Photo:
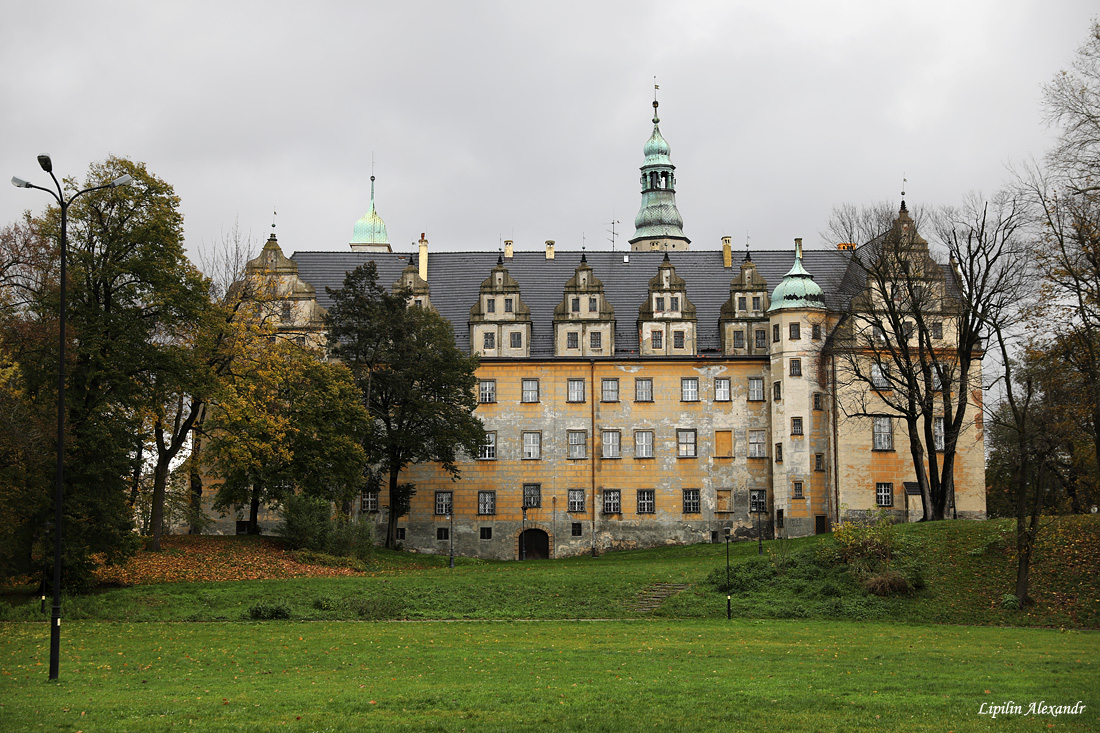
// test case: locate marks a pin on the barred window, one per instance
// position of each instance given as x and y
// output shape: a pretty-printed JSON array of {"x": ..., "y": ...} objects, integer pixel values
[
  {"x": 486, "y": 502},
  {"x": 530, "y": 390},
  {"x": 883, "y": 436},
  {"x": 612, "y": 501},
  {"x": 578, "y": 443},
  {"x": 369, "y": 502},
  {"x": 487, "y": 391},
  {"x": 761, "y": 339},
  {"x": 778, "y": 452},
  {"x": 576, "y": 530},
  {"x": 646, "y": 501},
  {"x": 796, "y": 490},
  {"x": 884, "y": 494},
  {"x": 572, "y": 340},
  {"x": 609, "y": 390},
  {"x": 443, "y": 502},
  {"x": 685, "y": 441},
  {"x": 595, "y": 339},
  {"x": 442, "y": 533},
  {"x": 576, "y": 500},
  {"x": 819, "y": 461},
  {"x": 488, "y": 450},
  {"x": 575, "y": 390},
  {"x": 643, "y": 444},
  {"x": 689, "y": 389},
  {"x": 796, "y": 368},
  {"x": 880, "y": 376},
  {"x": 532, "y": 446},
  {"x": 819, "y": 401},
  {"x": 756, "y": 444},
  {"x": 722, "y": 389},
  {"x": 643, "y": 390},
  {"x": 611, "y": 444},
  {"x": 756, "y": 389},
  {"x": 691, "y": 501},
  {"x": 532, "y": 496},
  {"x": 758, "y": 501},
  {"x": 486, "y": 533},
  {"x": 796, "y": 426}
]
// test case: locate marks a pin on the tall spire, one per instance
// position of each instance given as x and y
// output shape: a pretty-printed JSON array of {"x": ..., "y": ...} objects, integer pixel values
[{"x": 658, "y": 225}]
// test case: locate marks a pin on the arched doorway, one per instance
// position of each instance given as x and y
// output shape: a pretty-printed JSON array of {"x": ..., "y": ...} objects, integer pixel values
[{"x": 534, "y": 544}]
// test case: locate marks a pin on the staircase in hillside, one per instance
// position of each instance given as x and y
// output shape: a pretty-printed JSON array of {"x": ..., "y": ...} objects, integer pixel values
[{"x": 653, "y": 595}]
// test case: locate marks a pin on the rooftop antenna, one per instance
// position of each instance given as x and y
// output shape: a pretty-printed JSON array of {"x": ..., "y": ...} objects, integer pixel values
[{"x": 612, "y": 231}]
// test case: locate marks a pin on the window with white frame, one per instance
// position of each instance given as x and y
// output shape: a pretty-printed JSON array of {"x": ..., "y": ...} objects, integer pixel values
[
  {"x": 578, "y": 443},
  {"x": 883, "y": 433},
  {"x": 489, "y": 340},
  {"x": 575, "y": 390},
  {"x": 884, "y": 494},
  {"x": 443, "y": 502},
  {"x": 612, "y": 501},
  {"x": 532, "y": 496},
  {"x": 643, "y": 444},
  {"x": 516, "y": 339},
  {"x": 657, "y": 339},
  {"x": 691, "y": 501},
  {"x": 880, "y": 376},
  {"x": 369, "y": 502},
  {"x": 609, "y": 390},
  {"x": 796, "y": 426},
  {"x": 796, "y": 368},
  {"x": 576, "y": 500},
  {"x": 487, "y": 391},
  {"x": 647, "y": 501},
  {"x": 685, "y": 442},
  {"x": 758, "y": 501},
  {"x": 937, "y": 433},
  {"x": 572, "y": 340},
  {"x": 532, "y": 446},
  {"x": 643, "y": 390},
  {"x": 595, "y": 340},
  {"x": 488, "y": 450},
  {"x": 530, "y": 390},
  {"x": 756, "y": 444},
  {"x": 756, "y": 389},
  {"x": 722, "y": 389},
  {"x": 689, "y": 389},
  {"x": 611, "y": 444},
  {"x": 486, "y": 502}
]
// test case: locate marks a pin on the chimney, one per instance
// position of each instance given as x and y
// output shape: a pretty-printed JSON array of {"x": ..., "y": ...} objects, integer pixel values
[
  {"x": 423, "y": 263},
  {"x": 549, "y": 249},
  {"x": 727, "y": 252},
  {"x": 507, "y": 249},
  {"x": 798, "y": 248},
  {"x": 845, "y": 246}
]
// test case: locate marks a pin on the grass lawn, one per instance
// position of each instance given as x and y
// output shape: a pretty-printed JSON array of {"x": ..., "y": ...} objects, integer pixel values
[{"x": 781, "y": 675}]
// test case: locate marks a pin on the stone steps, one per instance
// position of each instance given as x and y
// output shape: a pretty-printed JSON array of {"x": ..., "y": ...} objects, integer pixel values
[{"x": 653, "y": 595}]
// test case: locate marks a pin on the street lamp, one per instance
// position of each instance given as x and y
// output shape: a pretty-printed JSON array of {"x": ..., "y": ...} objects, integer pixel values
[
  {"x": 451, "y": 534},
  {"x": 55, "y": 617},
  {"x": 729, "y": 602},
  {"x": 523, "y": 533},
  {"x": 758, "y": 509}
]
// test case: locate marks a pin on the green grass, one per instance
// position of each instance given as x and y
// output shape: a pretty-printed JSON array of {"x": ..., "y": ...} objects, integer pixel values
[{"x": 505, "y": 676}]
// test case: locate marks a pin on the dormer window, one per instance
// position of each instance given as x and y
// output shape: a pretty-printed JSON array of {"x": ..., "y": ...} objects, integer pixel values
[
  {"x": 657, "y": 338},
  {"x": 593, "y": 305},
  {"x": 659, "y": 303},
  {"x": 507, "y": 305},
  {"x": 575, "y": 305},
  {"x": 490, "y": 305},
  {"x": 490, "y": 341},
  {"x": 756, "y": 302},
  {"x": 674, "y": 303},
  {"x": 742, "y": 303}
]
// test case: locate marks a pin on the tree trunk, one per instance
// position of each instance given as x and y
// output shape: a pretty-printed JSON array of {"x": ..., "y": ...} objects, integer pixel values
[
  {"x": 254, "y": 511},
  {"x": 135, "y": 485},
  {"x": 160, "y": 481},
  {"x": 916, "y": 448},
  {"x": 391, "y": 529},
  {"x": 195, "y": 481}
]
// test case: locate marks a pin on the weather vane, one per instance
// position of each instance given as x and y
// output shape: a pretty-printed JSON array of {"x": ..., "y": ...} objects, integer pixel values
[{"x": 274, "y": 213}]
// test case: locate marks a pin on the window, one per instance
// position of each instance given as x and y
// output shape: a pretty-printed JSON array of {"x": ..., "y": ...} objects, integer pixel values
[
  {"x": 576, "y": 500},
  {"x": 486, "y": 502},
  {"x": 577, "y": 530},
  {"x": 937, "y": 329},
  {"x": 691, "y": 501},
  {"x": 758, "y": 501},
  {"x": 779, "y": 519},
  {"x": 486, "y": 533},
  {"x": 674, "y": 303},
  {"x": 685, "y": 442},
  {"x": 756, "y": 444},
  {"x": 657, "y": 338},
  {"x": 575, "y": 390},
  {"x": 643, "y": 444},
  {"x": 907, "y": 328},
  {"x": 646, "y": 501},
  {"x": 778, "y": 452},
  {"x": 401, "y": 533},
  {"x": 883, "y": 434},
  {"x": 796, "y": 426},
  {"x": 880, "y": 376},
  {"x": 723, "y": 500},
  {"x": 488, "y": 451},
  {"x": 937, "y": 433},
  {"x": 761, "y": 339},
  {"x": 575, "y": 305},
  {"x": 612, "y": 501},
  {"x": 722, "y": 389},
  {"x": 643, "y": 390},
  {"x": 487, "y": 391},
  {"x": 796, "y": 490},
  {"x": 756, "y": 389},
  {"x": 593, "y": 304},
  {"x": 689, "y": 389},
  {"x": 815, "y": 332},
  {"x": 819, "y": 461},
  {"x": 884, "y": 494},
  {"x": 609, "y": 390},
  {"x": 777, "y": 391},
  {"x": 489, "y": 340},
  {"x": 795, "y": 368},
  {"x": 572, "y": 340},
  {"x": 369, "y": 502},
  {"x": 611, "y": 446},
  {"x": 530, "y": 389},
  {"x": 658, "y": 303},
  {"x": 878, "y": 334},
  {"x": 578, "y": 444},
  {"x": 819, "y": 401},
  {"x": 723, "y": 444},
  {"x": 532, "y": 446},
  {"x": 491, "y": 305},
  {"x": 677, "y": 339},
  {"x": 442, "y": 533},
  {"x": 756, "y": 302},
  {"x": 742, "y": 303},
  {"x": 532, "y": 496},
  {"x": 516, "y": 338},
  {"x": 775, "y": 332},
  {"x": 795, "y": 331},
  {"x": 738, "y": 339},
  {"x": 443, "y": 502},
  {"x": 595, "y": 340},
  {"x": 507, "y": 305}
]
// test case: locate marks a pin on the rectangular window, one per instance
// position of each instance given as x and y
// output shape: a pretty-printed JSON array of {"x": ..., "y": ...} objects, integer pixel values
[
  {"x": 819, "y": 461},
  {"x": 575, "y": 305},
  {"x": 578, "y": 444},
  {"x": 761, "y": 339},
  {"x": 516, "y": 339},
  {"x": 756, "y": 444},
  {"x": 937, "y": 329},
  {"x": 657, "y": 339},
  {"x": 796, "y": 426},
  {"x": 742, "y": 303},
  {"x": 689, "y": 389},
  {"x": 442, "y": 533},
  {"x": 532, "y": 496},
  {"x": 609, "y": 390},
  {"x": 756, "y": 389},
  {"x": 691, "y": 501},
  {"x": 643, "y": 444},
  {"x": 758, "y": 501},
  {"x": 487, "y": 391},
  {"x": 937, "y": 433},
  {"x": 878, "y": 334},
  {"x": 575, "y": 390},
  {"x": 779, "y": 519},
  {"x": 490, "y": 305},
  {"x": 443, "y": 502},
  {"x": 646, "y": 501},
  {"x": 819, "y": 401},
  {"x": 577, "y": 530},
  {"x": 907, "y": 328},
  {"x": 677, "y": 339},
  {"x": 738, "y": 339},
  {"x": 723, "y": 444},
  {"x": 658, "y": 303},
  {"x": 777, "y": 391},
  {"x": 401, "y": 534},
  {"x": 530, "y": 390},
  {"x": 778, "y": 452},
  {"x": 489, "y": 340},
  {"x": 488, "y": 451},
  {"x": 532, "y": 446},
  {"x": 722, "y": 389},
  {"x": 775, "y": 332},
  {"x": 815, "y": 332},
  {"x": 572, "y": 340},
  {"x": 796, "y": 368},
  {"x": 507, "y": 305},
  {"x": 723, "y": 500},
  {"x": 884, "y": 494},
  {"x": 685, "y": 443},
  {"x": 486, "y": 533},
  {"x": 576, "y": 500},
  {"x": 674, "y": 303},
  {"x": 612, "y": 501},
  {"x": 880, "y": 376},
  {"x": 595, "y": 340},
  {"x": 593, "y": 304},
  {"x": 486, "y": 502},
  {"x": 756, "y": 302},
  {"x": 643, "y": 390},
  {"x": 611, "y": 445},
  {"x": 795, "y": 331},
  {"x": 369, "y": 503},
  {"x": 883, "y": 434},
  {"x": 796, "y": 490}
]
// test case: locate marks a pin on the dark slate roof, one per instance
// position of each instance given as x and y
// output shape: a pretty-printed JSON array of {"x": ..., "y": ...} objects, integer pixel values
[{"x": 454, "y": 278}]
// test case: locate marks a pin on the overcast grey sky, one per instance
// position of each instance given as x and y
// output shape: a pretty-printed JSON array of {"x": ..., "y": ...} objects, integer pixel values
[{"x": 498, "y": 120}]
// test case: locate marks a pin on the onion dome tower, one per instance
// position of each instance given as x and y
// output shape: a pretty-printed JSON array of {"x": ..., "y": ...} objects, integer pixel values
[
  {"x": 369, "y": 234},
  {"x": 658, "y": 225}
]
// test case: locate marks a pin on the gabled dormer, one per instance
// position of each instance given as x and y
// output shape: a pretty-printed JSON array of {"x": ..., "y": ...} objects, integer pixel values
[
  {"x": 271, "y": 287},
  {"x": 743, "y": 320},
  {"x": 419, "y": 292},
  {"x": 666, "y": 320},
  {"x": 584, "y": 321},
  {"x": 500, "y": 322}
]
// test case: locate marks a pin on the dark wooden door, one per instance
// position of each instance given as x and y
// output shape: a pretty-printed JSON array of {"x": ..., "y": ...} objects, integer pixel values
[{"x": 534, "y": 544}]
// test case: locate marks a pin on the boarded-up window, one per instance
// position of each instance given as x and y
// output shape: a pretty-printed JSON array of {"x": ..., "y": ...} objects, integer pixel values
[
  {"x": 725, "y": 501},
  {"x": 723, "y": 443}
]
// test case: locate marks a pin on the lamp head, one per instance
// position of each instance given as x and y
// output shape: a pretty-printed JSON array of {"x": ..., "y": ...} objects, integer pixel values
[
  {"x": 727, "y": 533},
  {"x": 19, "y": 182},
  {"x": 124, "y": 180},
  {"x": 46, "y": 163}
]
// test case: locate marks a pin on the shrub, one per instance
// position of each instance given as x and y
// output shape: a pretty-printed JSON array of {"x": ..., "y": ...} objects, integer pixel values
[
  {"x": 376, "y": 608},
  {"x": 886, "y": 582},
  {"x": 1010, "y": 602},
  {"x": 747, "y": 575},
  {"x": 311, "y": 557},
  {"x": 306, "y": 522},
  {"x": 351, "y": 539},
  {"x": 269, "y": 610},
  {"x": 326, "y": 603}
]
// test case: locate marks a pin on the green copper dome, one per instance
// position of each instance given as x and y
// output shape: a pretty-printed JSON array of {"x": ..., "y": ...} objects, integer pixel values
[
  {"x": 658, "y": 218},
  {"x": 797, "y": 289},
  {"x": 370, "y": 229}
]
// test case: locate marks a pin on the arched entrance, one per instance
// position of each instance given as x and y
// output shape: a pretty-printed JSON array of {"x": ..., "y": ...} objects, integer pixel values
[{"x": 534, "y": 544}]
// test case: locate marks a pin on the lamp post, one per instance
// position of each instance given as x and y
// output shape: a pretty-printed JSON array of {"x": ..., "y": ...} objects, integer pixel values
[
  {"x": 55, "y": 616},
  {"x": 451, "y": 534},
  {"x": 523, "y": 533},
  {"x": 758, "y": 510},
  {"x": 729, "y": 602}
]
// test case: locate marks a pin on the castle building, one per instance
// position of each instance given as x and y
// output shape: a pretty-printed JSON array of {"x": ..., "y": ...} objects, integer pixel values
[{"x": 645, "y": 398}]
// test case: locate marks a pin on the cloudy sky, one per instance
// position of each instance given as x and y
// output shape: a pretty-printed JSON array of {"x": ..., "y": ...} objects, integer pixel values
[{"x": 515, "y": 120}]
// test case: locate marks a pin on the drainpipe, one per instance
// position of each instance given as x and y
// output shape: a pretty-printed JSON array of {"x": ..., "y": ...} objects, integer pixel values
[{"x": 592, "y": 470}]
